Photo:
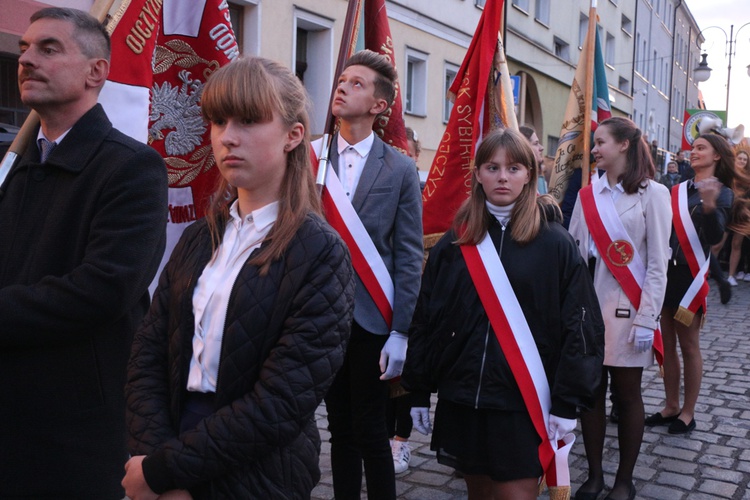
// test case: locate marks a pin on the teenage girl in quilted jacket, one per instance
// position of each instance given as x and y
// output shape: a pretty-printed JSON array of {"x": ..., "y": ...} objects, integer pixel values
[{"x": 252, "y": 314}]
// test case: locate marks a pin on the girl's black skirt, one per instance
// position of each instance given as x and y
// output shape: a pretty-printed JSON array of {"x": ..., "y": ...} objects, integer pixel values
[{"x": 497, "y": 443}]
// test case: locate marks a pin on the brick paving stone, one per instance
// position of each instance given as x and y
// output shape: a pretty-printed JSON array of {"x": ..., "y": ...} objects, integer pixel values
[
  {"x": 428, "y": 478},
  {"x": 681, "y": 467},
  {"x": 672, "y": 452},
  {"x": 724, "y": 412},
  {"x": 729, "y": 476},
  {"x": 724, "y": 490},
  {"x": 724, "y": 451},
  {"x": 717, "y": 461},
  {"x": 677, "y": 480},
  {"x": 660, "y": 492}
]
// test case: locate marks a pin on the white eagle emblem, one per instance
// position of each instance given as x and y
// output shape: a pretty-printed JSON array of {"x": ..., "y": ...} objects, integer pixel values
[{"x": 176, "y": 110}]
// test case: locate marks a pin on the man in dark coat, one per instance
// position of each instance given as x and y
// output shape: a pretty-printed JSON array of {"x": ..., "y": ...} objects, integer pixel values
[{"x": 82, "y": 231}]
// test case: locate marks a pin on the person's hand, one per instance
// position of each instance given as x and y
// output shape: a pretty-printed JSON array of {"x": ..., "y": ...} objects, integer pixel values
[
  {"x": 134, "y": 483},
  {"x": 420, "y": 417},
  {"x": 393, "y": 355},
  {"x": 560, "y": 427},
  {"x": 642, "y": 338},
  {"x": 176, "y": 495},
  {"x": 709, "y": 189}
]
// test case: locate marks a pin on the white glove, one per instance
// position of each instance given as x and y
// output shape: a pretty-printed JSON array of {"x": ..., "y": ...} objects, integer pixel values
[
  {"x": 560, "y": 427},
  {"x": 642, "y": 337},
  {"x": 420, "y": 417},
  {"x": 393, "y": 355}
]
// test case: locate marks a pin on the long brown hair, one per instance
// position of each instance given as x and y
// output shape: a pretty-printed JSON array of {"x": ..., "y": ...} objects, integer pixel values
[
  {"x": 724, "y": 170},
  {"x": 742, "y": 176},
  {"x": 255, "y": 88},
  {"x": 473, "y": 220},
  {"x": 639, "y": 164}
]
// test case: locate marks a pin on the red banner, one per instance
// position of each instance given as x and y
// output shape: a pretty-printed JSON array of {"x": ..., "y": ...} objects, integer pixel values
[
  {"x": 449, "y": 180},
  {"x": 390, "y": 125}
]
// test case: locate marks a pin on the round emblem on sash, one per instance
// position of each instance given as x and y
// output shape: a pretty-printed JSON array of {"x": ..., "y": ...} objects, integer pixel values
[{"x": 620, "y": 252}]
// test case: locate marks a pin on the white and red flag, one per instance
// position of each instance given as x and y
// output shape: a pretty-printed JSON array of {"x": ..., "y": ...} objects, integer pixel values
[{"x": 162, "y": 54}]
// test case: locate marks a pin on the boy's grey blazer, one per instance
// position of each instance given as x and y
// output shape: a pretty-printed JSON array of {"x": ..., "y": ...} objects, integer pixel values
[{"x": 389, "y": 204}]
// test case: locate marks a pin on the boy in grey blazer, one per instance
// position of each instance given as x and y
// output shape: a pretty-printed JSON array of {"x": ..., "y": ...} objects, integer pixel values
[{"x": 383, "y": 187}]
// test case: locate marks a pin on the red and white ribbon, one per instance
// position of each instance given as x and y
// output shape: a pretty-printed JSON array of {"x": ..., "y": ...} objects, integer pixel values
[
  {"x": 366, "y": 260},
  {"x": 690, "y": 242}
]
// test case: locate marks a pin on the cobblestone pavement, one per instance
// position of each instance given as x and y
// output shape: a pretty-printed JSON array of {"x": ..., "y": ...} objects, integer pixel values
[{"x": 711, "y": 462}]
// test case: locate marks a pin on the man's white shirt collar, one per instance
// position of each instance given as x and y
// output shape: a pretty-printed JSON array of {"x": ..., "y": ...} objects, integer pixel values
[{"x": 362, "y": 147}]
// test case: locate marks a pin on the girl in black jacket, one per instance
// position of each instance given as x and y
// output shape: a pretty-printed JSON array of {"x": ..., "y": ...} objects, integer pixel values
[
  {"x": 483, "y": 427},
  {"x": 252, "y": 314}
]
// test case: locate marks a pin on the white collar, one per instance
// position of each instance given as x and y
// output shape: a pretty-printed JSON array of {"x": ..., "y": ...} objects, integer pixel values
[
  {"x": 59, "y": 139},
  {"x": 604, "y": 185},
  {"x": 502, "y": 214},
  {"x": 363, "y": 147},
  {"x": 261, "y": 217}
]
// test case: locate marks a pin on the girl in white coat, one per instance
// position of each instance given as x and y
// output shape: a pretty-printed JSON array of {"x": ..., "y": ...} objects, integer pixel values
[{"x": 622, "y": 224}]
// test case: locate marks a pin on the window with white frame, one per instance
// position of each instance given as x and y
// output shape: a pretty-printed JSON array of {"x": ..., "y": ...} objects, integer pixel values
[
  {"x": 609, "y": 50},
  {"x": 624, "y": 85},
  {"x": 561, "y": 48},
  {"x": 313, "y": 62},
  {"x": 521, "y": 4},
  {"x": 245, "y": 18},
  {"x": 627, "y": 25},
  {"x": 552, "y": 141},
  {"x": 450, "y": 71},
  {"x": 541, "y": 11},
  {"x": 415, "y": 93}
]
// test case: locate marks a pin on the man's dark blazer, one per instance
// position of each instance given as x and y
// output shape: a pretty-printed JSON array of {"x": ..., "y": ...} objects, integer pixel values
[
  {"x": 81, "y": 237},
  {"x": 389, "y": 204}
]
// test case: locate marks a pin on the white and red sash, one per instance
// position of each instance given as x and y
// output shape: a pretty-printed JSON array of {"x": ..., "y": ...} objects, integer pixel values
[
  {"x": 695, "y": 297},
  {"x": 366, "y": 260},
  {"x": 616, "y": 249},
  {"x": 515, "y": 338}
]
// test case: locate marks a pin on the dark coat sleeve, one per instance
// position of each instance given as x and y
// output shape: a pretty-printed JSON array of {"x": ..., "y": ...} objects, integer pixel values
[
  {"x": 292, "y": 380},
  {"x": 711, "y": 226},
  {"x": 417, "y": 377},
  {"x": 579, "y": 369},
  {"x": 126, "y": 242}
]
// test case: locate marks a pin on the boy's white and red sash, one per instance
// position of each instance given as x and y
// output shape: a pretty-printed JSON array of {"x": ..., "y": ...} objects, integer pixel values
[
  {"x": 690, "y": 242},
  {"x": 517, "y": 342},
  {"x": 366, "y": 260},
  {"x": 616, "y": 248}
]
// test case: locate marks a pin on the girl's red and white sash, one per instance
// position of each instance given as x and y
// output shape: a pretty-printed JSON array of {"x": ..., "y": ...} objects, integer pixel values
[
  {"x": 695, "y": 297},
  {"x": 616, "y": 249},
  {"x": 366, "y": 260},
  {"x": 515, "y": 338}
]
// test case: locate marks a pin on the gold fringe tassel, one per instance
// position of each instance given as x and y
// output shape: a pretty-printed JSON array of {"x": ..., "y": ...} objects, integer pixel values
[
  {"x": 684, "y": 316},
  {"x": 559, "y": 493}
]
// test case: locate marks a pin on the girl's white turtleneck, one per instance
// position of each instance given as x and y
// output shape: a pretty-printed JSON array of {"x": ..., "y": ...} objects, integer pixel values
[{"x": 502, "y": 214}]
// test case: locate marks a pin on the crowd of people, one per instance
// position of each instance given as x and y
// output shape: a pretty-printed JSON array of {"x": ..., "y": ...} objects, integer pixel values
[{"x": 279, "y": 300}]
